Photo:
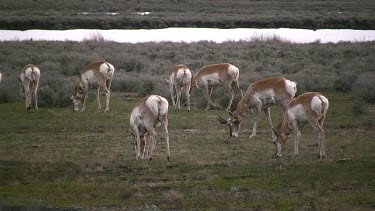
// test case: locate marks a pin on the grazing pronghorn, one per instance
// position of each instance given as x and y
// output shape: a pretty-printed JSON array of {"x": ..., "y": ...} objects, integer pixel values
[
  {"x": 310, "y": 107},
  {"x": 260, "y": 96},
  {"x": 179, "y": 80},
  {"x": 149, "y": 113},
  {"x": 217, "y": 75},
  {"x": 29, "y": 82},
  {"x": 97, "y": 73}
]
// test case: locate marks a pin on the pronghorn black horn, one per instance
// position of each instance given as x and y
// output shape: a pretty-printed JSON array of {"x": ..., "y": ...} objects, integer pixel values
[{"x": 222, "y": 121}]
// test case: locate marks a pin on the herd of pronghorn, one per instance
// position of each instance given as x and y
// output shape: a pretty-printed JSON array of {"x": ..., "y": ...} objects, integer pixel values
[{"x": 152, "y": 111}]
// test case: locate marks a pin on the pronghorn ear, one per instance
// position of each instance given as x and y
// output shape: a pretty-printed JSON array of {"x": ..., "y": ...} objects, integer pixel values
[{"x": 222, "y": 121}]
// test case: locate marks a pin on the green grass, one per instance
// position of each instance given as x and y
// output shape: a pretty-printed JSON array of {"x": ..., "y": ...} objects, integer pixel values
[
  {"x": 69, "y": 14},
  {"x": 57, "y": 158}
]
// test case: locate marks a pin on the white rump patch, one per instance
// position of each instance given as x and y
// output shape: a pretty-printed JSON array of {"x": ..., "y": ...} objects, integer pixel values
[
  {"x": 291, "y": 87},
  {"x": 152, "y": 103},
  {"x": 234, "y": 71}
]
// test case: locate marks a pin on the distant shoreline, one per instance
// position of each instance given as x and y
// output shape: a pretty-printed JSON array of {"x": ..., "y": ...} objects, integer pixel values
[{"x": 189, "y": 35}]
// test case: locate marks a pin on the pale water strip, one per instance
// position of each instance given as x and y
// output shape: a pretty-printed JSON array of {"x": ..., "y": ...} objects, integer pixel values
[{"x": 193, "y": 35}]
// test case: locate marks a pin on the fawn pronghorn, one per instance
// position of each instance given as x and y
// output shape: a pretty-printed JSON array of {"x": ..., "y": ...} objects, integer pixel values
[
  {"x": 217, "y": 75},
  {"x": 29, "y": 82},
  {"x": 310, "y": 107},
  {"x": 97, "y": 73},
  {"x": 180, "y": 79},
  {"x": 260, "y": 96},
  {"x": 148, "y": 114}
]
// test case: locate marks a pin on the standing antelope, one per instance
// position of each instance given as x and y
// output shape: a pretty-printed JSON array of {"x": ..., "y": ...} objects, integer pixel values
[
  {"x": 30, "y": 75},
  {"x": 98, "y": 73},
  {"x": 260, "y": 96},
  {"x": 180, "y": 79},
  {"x": 149, "y": 113},
  {"x": 217, "y": 75},
  {"x": 310, "y": 107}
]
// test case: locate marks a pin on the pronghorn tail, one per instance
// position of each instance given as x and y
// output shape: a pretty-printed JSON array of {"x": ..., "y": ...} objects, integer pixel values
[
  {"x": 110, "y": 70},
  {"x": 33, "y": 75}
]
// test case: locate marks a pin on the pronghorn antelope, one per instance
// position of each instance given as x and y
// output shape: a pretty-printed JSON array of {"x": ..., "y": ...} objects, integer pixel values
[
  {"x": 310, "y": 107},
  {"x": 179, "y": 80},
  {"x": 217, "y": 75},
  {"x": 260, "y": 96},
  {"x": 149, "y": 113},
  {"x": 28, "y": 83},
  {"x": 97, "y": 73},
  {"x": 1, "y": 77}
]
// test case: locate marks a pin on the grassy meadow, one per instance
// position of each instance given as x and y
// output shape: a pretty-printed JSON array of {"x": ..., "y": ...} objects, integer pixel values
[
  {"x": 55, "y": 158},
  {"x": 99, "y": 14}
]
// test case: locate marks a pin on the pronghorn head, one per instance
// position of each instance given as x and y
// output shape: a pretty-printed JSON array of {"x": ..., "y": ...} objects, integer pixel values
[
  {"x": 279, "y": 141},
  {"x": 77, "y": 96},
  {"x": 234, "y": 122}
]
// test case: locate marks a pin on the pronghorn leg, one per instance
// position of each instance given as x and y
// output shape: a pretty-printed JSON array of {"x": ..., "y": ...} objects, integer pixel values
[
  {"x": 27, "y": 97},
  {"x": 165, "y": 127},
  {"x": 296, "y": 132},
  {"x": 138, "y": 146},
  {"x": 178, "y": 99},
  {"x": 207, "y": 95},
  {"x": 172, "y": 90},
  {"x": 35, "y": 90},
  {"x": 107, "y": 96},
  {"x": 85, "y": 98},
  {"x": 316, "y": 125},
  {"x": 98, "y": 99},
  {"x": 237, "y": 86},
  {"x": 151, "y": 143},
  {"x": 255, "y": 120},
  {"x": 187, "y": 93},
  {"x": 269, "y": 121},
  {"x": 231, "y": 96}
]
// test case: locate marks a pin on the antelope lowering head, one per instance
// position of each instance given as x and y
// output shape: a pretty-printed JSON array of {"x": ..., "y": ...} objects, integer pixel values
[
  {"x": 77, "y": 96},
  {"x": 234, "y": 121}
]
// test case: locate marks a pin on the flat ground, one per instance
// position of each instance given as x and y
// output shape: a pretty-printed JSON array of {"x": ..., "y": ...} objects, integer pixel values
[
  {"x": 99, "y": 14},
  {"x": 58, "y": 158}
]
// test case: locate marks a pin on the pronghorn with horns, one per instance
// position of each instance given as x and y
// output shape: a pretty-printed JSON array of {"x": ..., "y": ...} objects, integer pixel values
[
  {"x": 97, "y": 73},
  {"x": 310, "y": 107},
  {"x": 260, "y": 96},
  {"x": 211, "y": 76},
  {"x": 29, "y": 82},
  {"x": 148, "y": 114},
  {"x": 180, "y": 79}
]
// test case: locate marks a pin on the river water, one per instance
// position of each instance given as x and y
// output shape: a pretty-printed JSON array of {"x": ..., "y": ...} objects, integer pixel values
[{"x": 193, "y": 35}]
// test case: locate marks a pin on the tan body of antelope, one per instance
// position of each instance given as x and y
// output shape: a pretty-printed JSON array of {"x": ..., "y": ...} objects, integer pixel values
[
  {"x": 260, "y": 96},
  {"x": 215, "y": 75},
  {"x": 148, "y": 114},
  {"x": 29, "y": 82},
  {"x": 179, "y": 80},
  {"x": 99, "y": 74},
  {"x": 310, "y": 107}
]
